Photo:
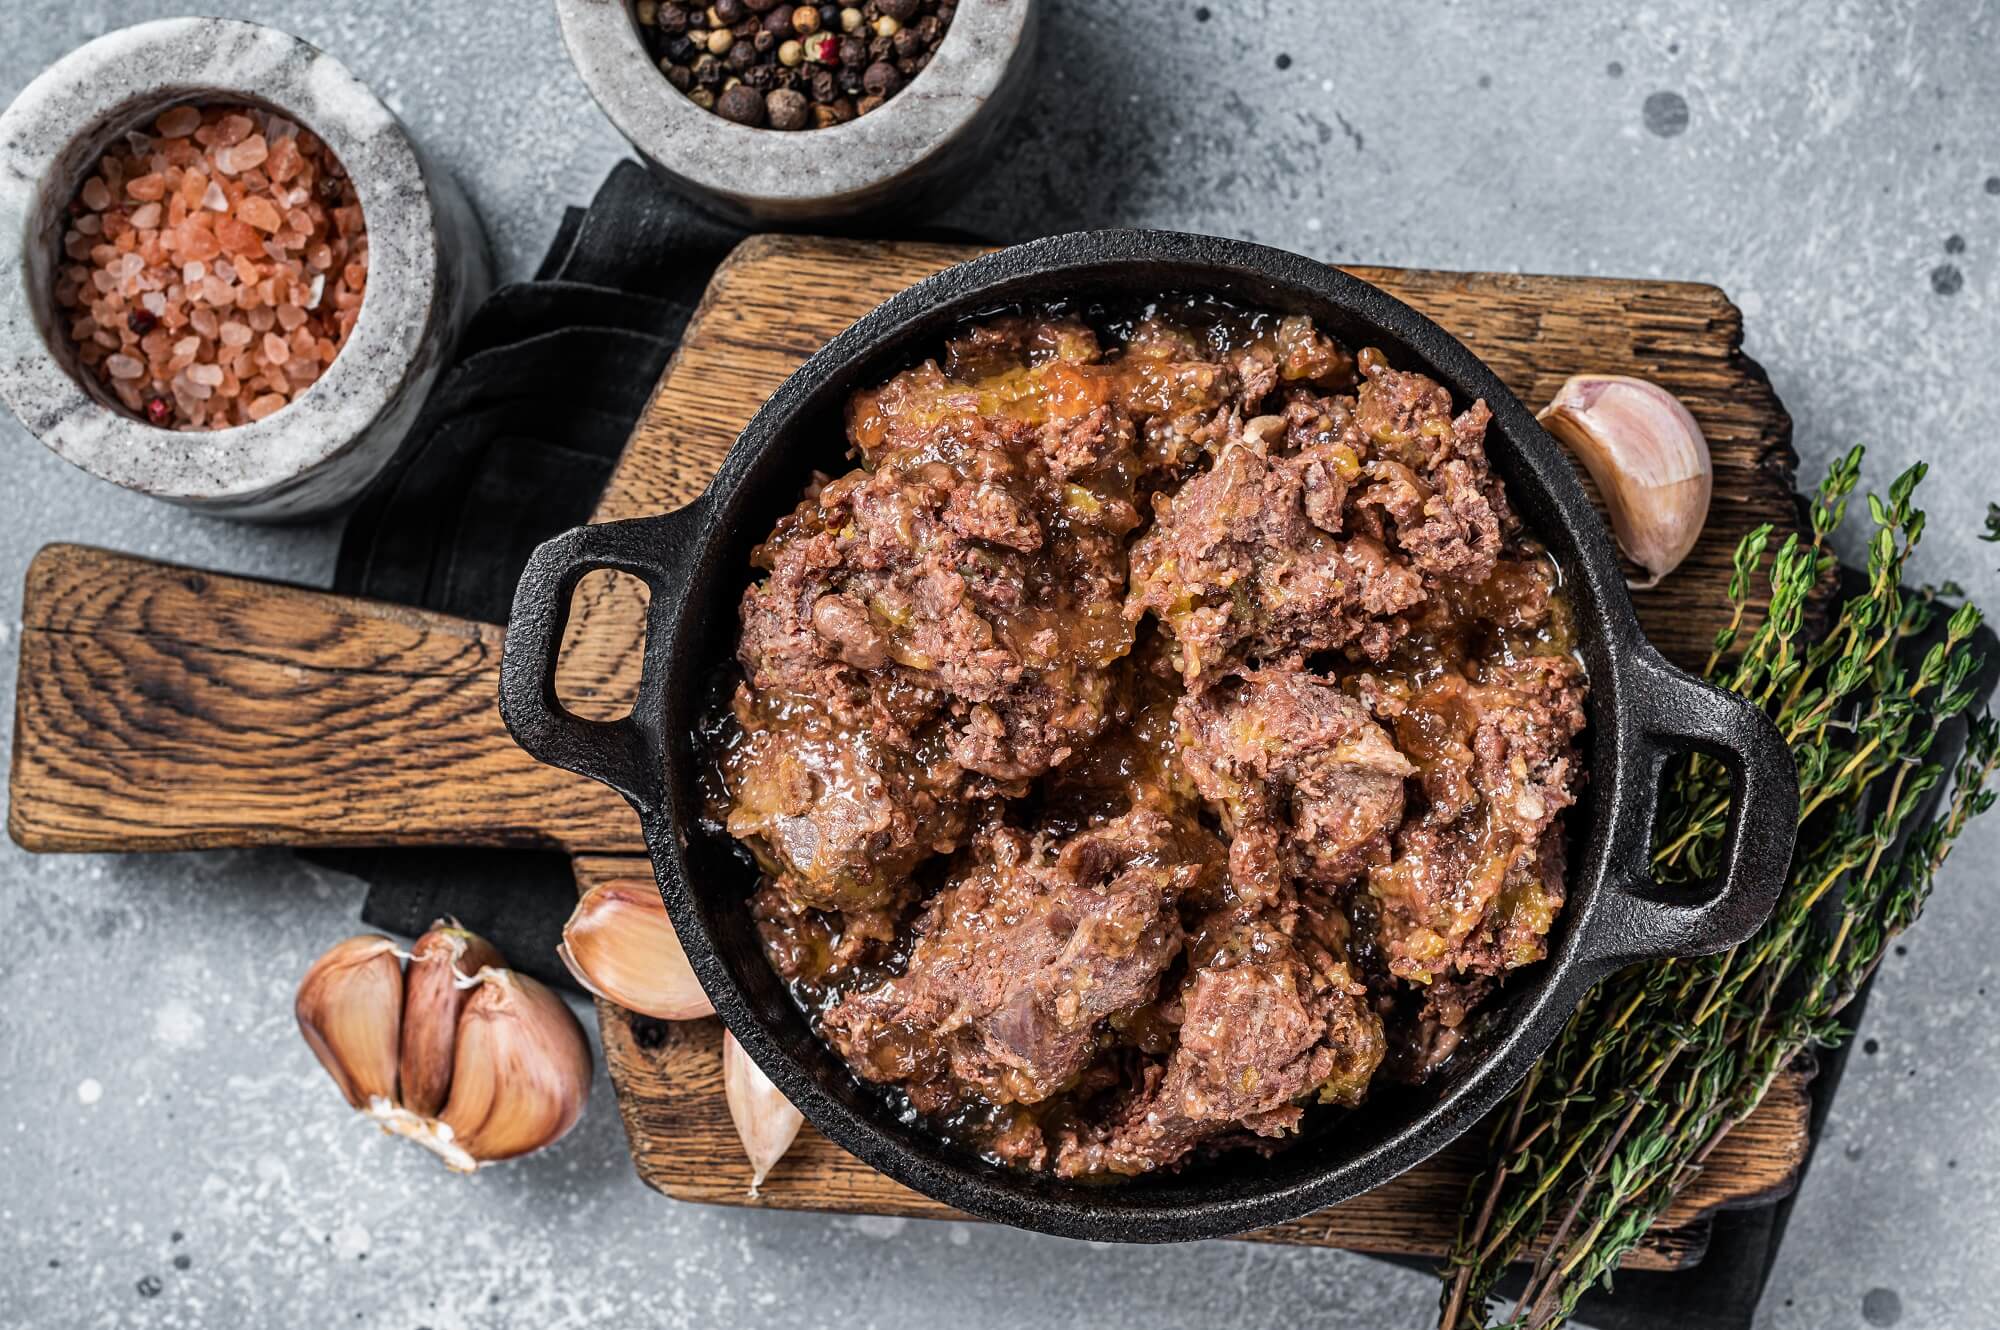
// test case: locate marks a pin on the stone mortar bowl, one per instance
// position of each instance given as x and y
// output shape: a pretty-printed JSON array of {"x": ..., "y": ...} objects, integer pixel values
[
  {"x": 913, "y": 147},
  {"x": 428, "y": 269}
]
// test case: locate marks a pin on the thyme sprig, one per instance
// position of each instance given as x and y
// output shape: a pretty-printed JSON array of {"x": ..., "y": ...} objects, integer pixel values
[{"x": 1661, "y": 1060}]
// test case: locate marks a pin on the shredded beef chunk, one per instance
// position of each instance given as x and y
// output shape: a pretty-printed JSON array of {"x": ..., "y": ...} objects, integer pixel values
[
  {"x": 1308, "y": 785},
  {"x": 1264, "y": 1028},
  {"x": 1322, "y": 528},
  {"x": 1021, "y": 964},
  {"x": 1476, "y": 880},
  {"x": 1164, "y": 730}
]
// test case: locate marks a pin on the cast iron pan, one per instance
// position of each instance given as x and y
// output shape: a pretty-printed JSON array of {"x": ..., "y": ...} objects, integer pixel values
[{"x": 696, "y": 562}]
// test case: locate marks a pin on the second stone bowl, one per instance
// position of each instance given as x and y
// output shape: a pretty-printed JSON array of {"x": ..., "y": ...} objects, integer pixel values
[
  {"x": 913, "y": 147},
  {"x": 428, "y": 269}
]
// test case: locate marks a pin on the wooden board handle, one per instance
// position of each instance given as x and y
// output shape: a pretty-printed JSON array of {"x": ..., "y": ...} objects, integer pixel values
[{"x": 164, "y": 708}]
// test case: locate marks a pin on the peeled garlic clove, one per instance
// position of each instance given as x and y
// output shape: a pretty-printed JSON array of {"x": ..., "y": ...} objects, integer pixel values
[
  {"x": 1649, "y": 460},
  {"x": 350, "y": 1008},
  {"x": 433, "y": 998},
  {"x": 621, "y": 946},
  {"x": 766, "y": 1122},
  {"x": 520, "y": 1077}
]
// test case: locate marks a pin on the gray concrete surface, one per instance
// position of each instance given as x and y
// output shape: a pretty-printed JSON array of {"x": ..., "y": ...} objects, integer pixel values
[{"x": 169, "y": 1154}]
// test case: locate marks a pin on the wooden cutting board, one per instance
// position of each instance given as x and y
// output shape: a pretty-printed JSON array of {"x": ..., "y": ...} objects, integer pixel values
[{"x": 165, "y": 708}]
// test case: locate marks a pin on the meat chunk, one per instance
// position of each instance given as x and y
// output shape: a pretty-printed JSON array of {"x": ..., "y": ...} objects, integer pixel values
[
  {"x": 1238, "y": 571},
  {"x": 1476, "y": 881},
  {"x": 936, "y": 631},
  {"x": 1308, "y": 785},
  {"x": 1267, "y": 1024},
  {"x": 1020, "y": 963},
  {"x": 1427, "y": 470},
  {"x": 837, "y": 815}
]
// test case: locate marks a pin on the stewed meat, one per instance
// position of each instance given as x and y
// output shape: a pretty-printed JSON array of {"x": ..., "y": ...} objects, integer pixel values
[
  {"x": 1308, "y": 785},
  {"x": 1165, "y": 729},
  {"x": 1021, "y": 963}
]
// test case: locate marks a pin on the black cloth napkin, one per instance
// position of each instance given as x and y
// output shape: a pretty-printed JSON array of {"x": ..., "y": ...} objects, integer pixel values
[{"x": 517, "y": 443}]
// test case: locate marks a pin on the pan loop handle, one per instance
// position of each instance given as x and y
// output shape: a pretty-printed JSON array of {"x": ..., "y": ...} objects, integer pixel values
[
  {"x": 1673, "y": 713},
  {"x": 628, "y": 754}
]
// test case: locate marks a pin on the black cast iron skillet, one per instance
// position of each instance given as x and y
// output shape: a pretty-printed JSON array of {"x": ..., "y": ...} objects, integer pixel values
[{"x": 696, "y": 562}]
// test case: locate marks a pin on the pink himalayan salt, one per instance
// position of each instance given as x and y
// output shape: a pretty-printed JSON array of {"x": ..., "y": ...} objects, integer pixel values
[{"x": 212, "y": 284}]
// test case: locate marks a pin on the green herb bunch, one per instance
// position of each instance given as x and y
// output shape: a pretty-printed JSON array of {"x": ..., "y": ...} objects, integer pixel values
[{"x": 1661, "y": 1060}]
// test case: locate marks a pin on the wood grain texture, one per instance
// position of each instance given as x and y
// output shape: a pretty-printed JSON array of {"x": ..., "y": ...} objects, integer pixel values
[
  {"x": 669, "y": 1079},
  {"x": 160, "y": 708}
]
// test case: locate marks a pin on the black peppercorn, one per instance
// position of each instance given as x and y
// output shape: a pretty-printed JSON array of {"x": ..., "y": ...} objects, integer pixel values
[
  {"x": 907, "y": 42},
  {"x": 761, "y": 77},
  {"x": 881, "y": 79},
  {"x": 786, "y": 109},
  {"x": 759, "y": 6},
  {"x": 743, "y": 104},
  {"x": 850, "y": 80},
  {"x": 707, "y": 71},
  {"x": 728, "y": 13},
  {"x": 681, "y": 51},
  {"x": 741, "y": 56},
  {"x": 824, "y": 88},
  {"x": 672, "y": 19},
  {"x": 680, "y": 76},
  {"x": 905, "y": 66},
  {"x": 779, "y": 21},
  {"x": 928, "y": 29},
  {"x": 900, "y": 10},
  {"x": 764, "y": 42},
  {"x": 881, "y": 48},
  {"x": 946, "y": 8},
  {"x": 747, "y": 29},
  {"x": 853, "y": 52},
  {"x": 829, "y": 17}
]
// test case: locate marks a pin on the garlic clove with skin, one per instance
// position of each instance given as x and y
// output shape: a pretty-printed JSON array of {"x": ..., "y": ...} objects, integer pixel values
[
  {"x": 350, "y": 1010},
  {"x": 435, "y": 991},
  {"x": 521, "y": 1075},
  {"x": 766, "y": 1122},
  {"x": 1649, "y": 460},
  {"x": 621, "y": 946}
]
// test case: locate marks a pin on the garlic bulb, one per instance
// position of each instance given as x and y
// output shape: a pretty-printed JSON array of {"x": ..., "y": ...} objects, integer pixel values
[
  {"x": 1649, "y": 460},
  {"x": 621, "y": 946},
  {"x": 433, "y": 998},
  {"x": 476, "y": 1067},
  {"x": 766, "y": 1122}
]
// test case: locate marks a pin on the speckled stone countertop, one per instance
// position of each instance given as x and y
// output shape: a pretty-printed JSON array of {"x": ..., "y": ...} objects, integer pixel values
[{"x": 170, "y": 1155}]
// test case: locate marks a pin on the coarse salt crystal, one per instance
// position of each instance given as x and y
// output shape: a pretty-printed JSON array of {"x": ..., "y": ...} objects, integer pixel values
[
  {"x": 193, "y": 272},
  {"x": 234, "y": 334},
  {"x": 214, "y": 199},
  {"x": 206, "y": 375},
  {"x": 154, "y": 303},
  {"x": 123, "y": 367},
  {"x": 179, "y": 122},
  {"x": 96, "y": 194}
]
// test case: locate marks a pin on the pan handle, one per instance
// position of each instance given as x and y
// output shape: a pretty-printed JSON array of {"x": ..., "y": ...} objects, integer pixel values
[
  {"x": 1673, "y": 713},
  {"x": 628, "y": 754}
]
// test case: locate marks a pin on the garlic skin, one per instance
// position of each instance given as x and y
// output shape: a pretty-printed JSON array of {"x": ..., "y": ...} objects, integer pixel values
[
  {"x": 766, "y": 1122},
  {"x": 522, "y": 1073},
  {"x": 621, "y": 946},
  {"x": 518, "y": 1070},
  {"x": 1648, "y": 458},
  {"x": 350, "y": 1010},
  {"x": 434, "y": 996}
]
